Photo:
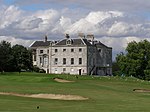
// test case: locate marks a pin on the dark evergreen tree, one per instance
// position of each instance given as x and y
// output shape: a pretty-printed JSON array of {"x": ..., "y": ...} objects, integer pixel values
[{"x": 5, "y": 56}]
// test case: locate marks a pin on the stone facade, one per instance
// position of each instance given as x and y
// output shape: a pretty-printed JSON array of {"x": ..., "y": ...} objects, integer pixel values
[{"x": 80, "y": 56}]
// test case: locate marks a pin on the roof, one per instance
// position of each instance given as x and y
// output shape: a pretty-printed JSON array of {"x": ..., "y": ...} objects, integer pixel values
[
  {"x": 87, "y": 42},
  {"x": 41, "y": 44},
  {"x": 101, "y": 44},
  {"x": 74, "y": 42}
]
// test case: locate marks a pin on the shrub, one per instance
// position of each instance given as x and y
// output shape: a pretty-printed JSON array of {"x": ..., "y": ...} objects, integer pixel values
[{"x": 147, "y": 74}]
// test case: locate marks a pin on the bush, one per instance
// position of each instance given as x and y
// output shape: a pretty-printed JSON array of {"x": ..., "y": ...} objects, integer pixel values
[
  {"x": 37, "y": 69},
  {"x": 42, "y": 71},
  {"x": 117, "y": 73},
  {"x": 147, "y": 74}
]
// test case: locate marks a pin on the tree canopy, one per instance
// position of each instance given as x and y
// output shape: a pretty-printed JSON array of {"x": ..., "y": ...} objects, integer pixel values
[
  {"x": 136, "y": 61},
  {"x": 14, "y": 58},
  {"x": 22, "y": 57},
  {"x": 5, "y": 56}
]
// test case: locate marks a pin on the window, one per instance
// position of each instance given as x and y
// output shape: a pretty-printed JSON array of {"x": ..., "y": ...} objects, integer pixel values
[
  {"x": 72, "y": 50},
  {"x": 64, "y": 61},
  {"x": 47, "y": 51},
  {"x": 80, "y": 49},
  {"x": 40, "y": 59},
  {"x": 45, "y": 61},
  {"x": 80, "y": 61},
  {"x": 64, "y": 50},
  {"x": 41, "y": 51},
  {"x": 34, "y": 57},
  {"x": 69, "y": 42},
  {"x": 72, "y": 61},
  {"x": 64, "y": 69},
  {"x": 99, "y": 50},
  {"x": 71, "y": 69},
  {"x": 56, "y": 71},
  {"x": 56, "y": 50},
  {"x": 56, "y": 61}
]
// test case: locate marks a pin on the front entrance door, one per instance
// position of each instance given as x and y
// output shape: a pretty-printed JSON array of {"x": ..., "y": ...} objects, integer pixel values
[{"x": 80, "y": 71}]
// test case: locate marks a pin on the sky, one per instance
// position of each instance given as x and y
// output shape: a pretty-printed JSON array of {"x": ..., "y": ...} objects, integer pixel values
[{"x": 113, "y": 22}]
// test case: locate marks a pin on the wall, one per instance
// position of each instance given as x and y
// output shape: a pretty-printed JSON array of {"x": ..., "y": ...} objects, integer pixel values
[{"x": 70, "y": 68}]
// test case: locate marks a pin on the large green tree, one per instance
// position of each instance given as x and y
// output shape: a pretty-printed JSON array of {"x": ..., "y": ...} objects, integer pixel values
[
  {"x": 22, "y": 57},
  {"x": 136, "y": 60}
]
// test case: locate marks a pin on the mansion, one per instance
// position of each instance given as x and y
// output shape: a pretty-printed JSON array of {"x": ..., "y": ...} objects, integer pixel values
[{"x": 80, "y": 56}]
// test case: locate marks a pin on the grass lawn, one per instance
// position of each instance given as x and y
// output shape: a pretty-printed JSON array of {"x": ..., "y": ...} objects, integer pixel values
[{"x": 106, "y": 94}]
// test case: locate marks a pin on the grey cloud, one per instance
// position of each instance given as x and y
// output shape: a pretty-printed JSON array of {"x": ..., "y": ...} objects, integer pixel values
[{"x": 27, "y": 24}]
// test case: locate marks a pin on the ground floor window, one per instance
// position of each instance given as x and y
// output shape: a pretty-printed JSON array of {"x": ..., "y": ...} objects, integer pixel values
[
  {"x": 64, "y": 69},
  {"x": 56, "y": 71},
  {"x": 40, "y": 60},
  {"x": 71, "y": 69}
]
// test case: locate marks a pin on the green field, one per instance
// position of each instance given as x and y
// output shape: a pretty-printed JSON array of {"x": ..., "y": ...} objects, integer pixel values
[{"x": 106, "y": 94}]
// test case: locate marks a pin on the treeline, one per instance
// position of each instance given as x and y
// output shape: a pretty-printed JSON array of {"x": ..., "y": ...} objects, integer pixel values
[
  {"x": 135, "y": 61},
  {"x": 14, "y": 58}
]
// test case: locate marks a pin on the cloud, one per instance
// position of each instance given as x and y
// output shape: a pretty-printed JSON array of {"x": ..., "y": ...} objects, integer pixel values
[
  {"x": 52, "y": 22},
  {"x": 94, "y": 23},
  {"x": 15, "y": 41},
  {"x": 8, "y": 15},
  {"x": 114, "y": 28},
  {"x": 105, "y": 5}
]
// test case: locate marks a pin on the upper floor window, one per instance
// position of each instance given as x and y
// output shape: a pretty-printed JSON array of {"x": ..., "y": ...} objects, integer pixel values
[
  {"x": 41, "y": 51},
  {"x": 99, "y": 50},
  {"x": 80, "y": 61},
  {"x": 47, "y": 51},
  {"x": 56, "y": 50},
  {"x": 80, "y": 49},
  {"x": 56, "y": 61},
  {"x": 72, "y": 50},
  {"x": 64, "y": 50},
  {"x": 72, "y": 61},
  {"x": 64, "y": 61}
]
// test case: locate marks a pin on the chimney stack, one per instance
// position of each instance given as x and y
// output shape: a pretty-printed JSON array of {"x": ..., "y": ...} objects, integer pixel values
[
  {"x": 67, "y": 36},
  {"x": 90, "y": 37},
  {"x": 81, "y": 35},
  {"x": 45, "y": 38}
]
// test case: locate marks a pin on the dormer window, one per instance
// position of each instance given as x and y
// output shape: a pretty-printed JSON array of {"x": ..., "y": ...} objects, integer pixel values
[{"x": 69, "y": 41}]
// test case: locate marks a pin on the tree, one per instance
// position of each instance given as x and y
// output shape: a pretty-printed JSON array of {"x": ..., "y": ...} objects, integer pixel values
[
  {"x": 115, "y": 69},
  {"x": 22, "y": 57},
  {"x": 5, "y": 56},
  {"x": 136, "y": 60}
]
